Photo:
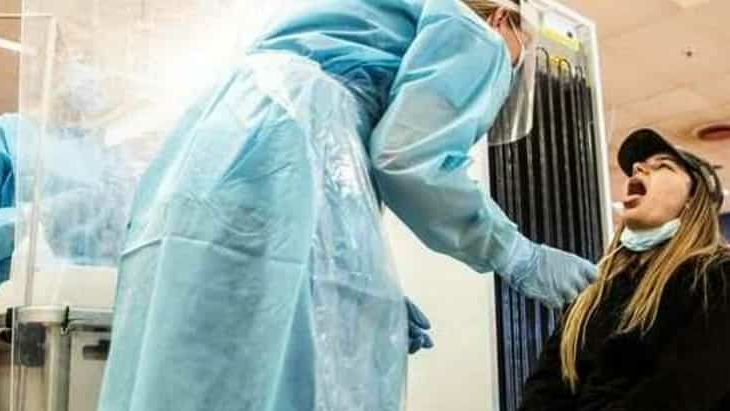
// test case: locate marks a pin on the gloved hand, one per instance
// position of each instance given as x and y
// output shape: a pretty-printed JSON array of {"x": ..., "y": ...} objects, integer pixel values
[
  {"x": 418, "y": 325},
  {"x": 546, "y": 274}
]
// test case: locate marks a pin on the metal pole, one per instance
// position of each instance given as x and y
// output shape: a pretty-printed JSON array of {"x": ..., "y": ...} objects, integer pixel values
[
  {"x": 58, "y": 363},
  {"x": 584, "y": 186}
]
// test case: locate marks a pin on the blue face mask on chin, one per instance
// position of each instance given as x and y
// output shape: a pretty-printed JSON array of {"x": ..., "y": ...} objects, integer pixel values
[{"x": 644, "y": 240}]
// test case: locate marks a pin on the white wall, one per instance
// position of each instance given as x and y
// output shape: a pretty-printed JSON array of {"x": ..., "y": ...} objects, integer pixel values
[{"x": 460, "y": 372}]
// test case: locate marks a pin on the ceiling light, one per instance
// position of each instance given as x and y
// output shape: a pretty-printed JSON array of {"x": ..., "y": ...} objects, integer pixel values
[
  {"x": 713, "y": 131},
  {"x": 10, "y": 45},
  {"x": 687, "y": 4}
]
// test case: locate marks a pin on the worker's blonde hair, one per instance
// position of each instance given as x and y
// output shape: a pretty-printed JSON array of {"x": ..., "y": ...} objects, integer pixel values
[
  {"x": 485, "y": 8},
  {"x": 698, "y": 239}
]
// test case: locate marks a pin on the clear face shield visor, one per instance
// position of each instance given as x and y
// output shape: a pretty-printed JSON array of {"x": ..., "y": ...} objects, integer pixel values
[{"x": 515, "y": 118}]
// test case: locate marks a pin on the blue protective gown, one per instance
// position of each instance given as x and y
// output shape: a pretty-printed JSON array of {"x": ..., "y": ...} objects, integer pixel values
[
  {"x": 8, "y": 131},
  {"x": 255, "y": 275}
]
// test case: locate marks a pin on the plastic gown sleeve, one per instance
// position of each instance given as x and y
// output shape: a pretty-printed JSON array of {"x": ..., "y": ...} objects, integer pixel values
[
  {"x": 8, "y": 131},
  {"x": 451, "y": 84}
]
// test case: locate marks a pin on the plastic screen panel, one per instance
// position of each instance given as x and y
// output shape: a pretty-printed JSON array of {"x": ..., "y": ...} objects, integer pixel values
[
  {"x": 548, "y": 184},
  {"x": 101, "y": 85}
]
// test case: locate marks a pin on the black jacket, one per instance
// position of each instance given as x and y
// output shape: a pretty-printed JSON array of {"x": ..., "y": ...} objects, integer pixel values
[{"x": 682, "y": 363}]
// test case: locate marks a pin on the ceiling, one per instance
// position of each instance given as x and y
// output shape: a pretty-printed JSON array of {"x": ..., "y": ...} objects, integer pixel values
[{"x": 665, "y": 64}]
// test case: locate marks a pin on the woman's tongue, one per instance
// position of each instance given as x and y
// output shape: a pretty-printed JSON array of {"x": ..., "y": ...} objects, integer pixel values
[{"x": 635, "y": 192}]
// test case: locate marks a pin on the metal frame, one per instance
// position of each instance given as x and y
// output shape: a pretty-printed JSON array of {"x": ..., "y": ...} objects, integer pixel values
[
  {"x": 56, "y": 326},
  {"x": 19, "y": 286}
]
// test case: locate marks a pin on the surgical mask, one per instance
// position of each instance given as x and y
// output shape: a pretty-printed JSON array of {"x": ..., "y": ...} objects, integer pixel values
[{"x": 644, "y": 240}]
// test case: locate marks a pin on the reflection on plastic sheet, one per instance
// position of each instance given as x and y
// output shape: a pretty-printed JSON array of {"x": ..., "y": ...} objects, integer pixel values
[{"x": 105, "y": 84}]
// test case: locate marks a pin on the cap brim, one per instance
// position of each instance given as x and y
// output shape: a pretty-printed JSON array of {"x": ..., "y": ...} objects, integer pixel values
[{"x": 642, "y": 144}]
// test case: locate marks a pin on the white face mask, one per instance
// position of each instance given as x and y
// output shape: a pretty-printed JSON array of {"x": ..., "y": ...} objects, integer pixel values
[{"x": 644, "y": 240}]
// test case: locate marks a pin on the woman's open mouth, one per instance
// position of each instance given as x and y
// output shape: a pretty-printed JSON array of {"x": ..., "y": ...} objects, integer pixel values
[{"x": 635, "y": 190}]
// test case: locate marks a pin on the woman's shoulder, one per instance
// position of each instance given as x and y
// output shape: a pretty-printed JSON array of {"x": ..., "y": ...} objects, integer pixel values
[
  {"x": 706, "y": 276},
  {"x": 719, "y": 266},
  {"x": 711, "y": 279},
  {"x": 719, "y": 270},
  {"x": 716, "y": 264}
]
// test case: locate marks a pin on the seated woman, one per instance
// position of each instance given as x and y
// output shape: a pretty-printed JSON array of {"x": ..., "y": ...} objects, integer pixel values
[{"x": 653, "y": 333}]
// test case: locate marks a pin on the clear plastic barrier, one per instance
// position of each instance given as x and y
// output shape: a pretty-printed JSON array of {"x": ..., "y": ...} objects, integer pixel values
[{"x": 102, "y": 83}]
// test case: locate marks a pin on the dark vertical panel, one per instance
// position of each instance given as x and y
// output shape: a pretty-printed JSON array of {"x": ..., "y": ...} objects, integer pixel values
[
  {"x": 593, "y": 173},
  {"x": 548, "y": 184},
  {"x": 553, "y": 164},
  {"x": 586, "y": 239},
  {"x": 563, "y": 142},
  {"x": 505, "y": 321}
]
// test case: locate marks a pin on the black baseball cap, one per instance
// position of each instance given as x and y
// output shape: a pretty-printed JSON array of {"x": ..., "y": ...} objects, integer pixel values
[{"x": 646, "y": 142}]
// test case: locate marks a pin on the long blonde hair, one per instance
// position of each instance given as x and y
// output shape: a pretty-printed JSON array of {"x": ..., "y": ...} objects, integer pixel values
[{"x": 698, "y": 239}]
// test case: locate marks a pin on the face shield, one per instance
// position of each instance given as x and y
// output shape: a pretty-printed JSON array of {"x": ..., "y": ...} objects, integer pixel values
[{"x": 515, "y": 117}]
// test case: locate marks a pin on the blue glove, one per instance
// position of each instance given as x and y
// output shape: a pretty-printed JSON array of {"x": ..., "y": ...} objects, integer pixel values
[
  {"x": 546, "y": 274},
  {"x": 418, "y": 325}
]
